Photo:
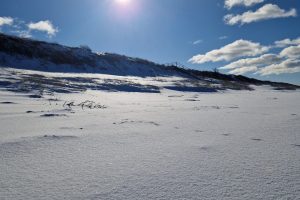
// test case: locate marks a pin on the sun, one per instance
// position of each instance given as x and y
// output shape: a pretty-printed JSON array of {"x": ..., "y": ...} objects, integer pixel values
[{"x": 123, "y": 2}]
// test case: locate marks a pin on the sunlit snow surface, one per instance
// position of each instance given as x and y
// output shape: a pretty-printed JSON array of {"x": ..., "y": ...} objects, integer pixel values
[{"x": 168, "y": 145}]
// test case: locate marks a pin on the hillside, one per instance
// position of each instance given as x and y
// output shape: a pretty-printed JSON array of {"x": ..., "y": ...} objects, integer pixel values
[
  {"x": 26, "y": 62},
  {"x": 42, "y": 56}
]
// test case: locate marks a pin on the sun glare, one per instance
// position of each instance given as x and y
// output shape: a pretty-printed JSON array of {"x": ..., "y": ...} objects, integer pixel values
[
  {"x": 124, "y": 2},
  {"x": 125, "y": 10}
]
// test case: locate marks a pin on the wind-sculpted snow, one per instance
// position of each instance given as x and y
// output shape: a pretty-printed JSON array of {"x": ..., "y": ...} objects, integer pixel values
[
  {"x": 37, "y": 84},
  {"x": 40, "y": 83},
  {"x": 225, "y": 145}
]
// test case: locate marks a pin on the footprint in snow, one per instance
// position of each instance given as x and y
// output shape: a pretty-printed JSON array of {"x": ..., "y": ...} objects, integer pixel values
[
  {"x": 205, "y": 148},
  {"x": 58, "y": 137},
  {"x": 226, "y": 134},
  {"x": 70, "y": 128},
  {"x": 234, "y": 107},
  {"x": 256, "y": 139}
]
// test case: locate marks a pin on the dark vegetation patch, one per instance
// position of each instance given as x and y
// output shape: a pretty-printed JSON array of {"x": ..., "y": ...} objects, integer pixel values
[
  {"x": 191, "y": 89},
  {"x": 5, "y": 83},
  {"x": 126, "y": 121},
  {"x": 176, "y": 96},
  {"x": 35, "y": 96},
  {"x": 7, "y": 102},
  {"x": 53, "y": 115},
  {"x": 192, "y": 100},
  {"x": 85, "y": 104}
]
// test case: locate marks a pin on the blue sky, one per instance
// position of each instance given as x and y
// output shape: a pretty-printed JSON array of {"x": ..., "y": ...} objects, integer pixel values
[{"x": 164, "y": 31}]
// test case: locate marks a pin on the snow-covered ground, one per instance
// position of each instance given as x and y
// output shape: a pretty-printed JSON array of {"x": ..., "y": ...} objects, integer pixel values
[{"x": 168, "y": 145}]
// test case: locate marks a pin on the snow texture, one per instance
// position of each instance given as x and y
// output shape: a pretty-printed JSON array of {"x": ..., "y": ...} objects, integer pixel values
[{"x": 140, "y": 145}]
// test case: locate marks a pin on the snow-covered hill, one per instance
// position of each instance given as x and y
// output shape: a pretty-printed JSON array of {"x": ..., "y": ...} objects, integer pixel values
[
  {"x": 29, "y": 65},
  {"x": 36, "y": 55}
]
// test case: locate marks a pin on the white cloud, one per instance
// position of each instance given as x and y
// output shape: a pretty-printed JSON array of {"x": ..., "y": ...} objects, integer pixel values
[
  {"x": 197, "y": 42},
  {"x": 252, "y": 58},
  {"x": 237, "y": 49},
  {"x": 231, "y": 3},
  {"x": 22, "y": 29},
  {"x": 287, "y": 42},
  {"x": 287, "y": 61},
  {"x": 243, "y": 70},
  {"x": 6, "y": 21},
  {"x": 44, "y": 26},
  {"x": 266, "y": 59},
  {"x": 268, "y": 11},
  {"x": 291, "y": 52},
  {"x": 287, "y": 66}
]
